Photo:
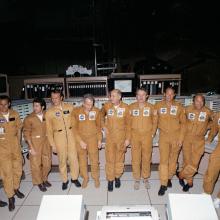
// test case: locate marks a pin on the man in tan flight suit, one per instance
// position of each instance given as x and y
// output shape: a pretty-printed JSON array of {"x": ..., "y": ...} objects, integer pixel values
[
  {"x": 115, "y": 122},
  {"x": 34, "y": 131},
  {"x": 213, "y": 170},
  {"x": 197, "y": 122},
  {"x": 88, "y": 126},
  {"x": 60, "y": 125},
  {"x": 10, "y": 151},
  {"x": 171, "y": 124},
  {"x": 143, "y": 124}
]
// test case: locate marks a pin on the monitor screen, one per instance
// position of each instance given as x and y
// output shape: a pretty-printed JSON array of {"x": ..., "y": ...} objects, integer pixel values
[
  {"x": 3, "y": 84},
  {"x": 123, "y": 85}
]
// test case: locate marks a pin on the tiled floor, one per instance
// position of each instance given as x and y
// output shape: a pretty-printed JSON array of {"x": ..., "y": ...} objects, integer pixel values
[{"x": 94, "y": 199}]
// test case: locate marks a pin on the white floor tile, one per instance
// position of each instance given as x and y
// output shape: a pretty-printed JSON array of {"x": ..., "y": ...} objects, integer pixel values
[
  {"x": 25, "y": 188},
  {"x": 161, "y": 200},
  {"x": 28, "y": 177},
  {"x": 35, "y": 196},
  {"x": 27, "y": 213},
  {"x": 154, "y": 175},
  {"x": 126, "y": 195},
  {"x": 55, "y": 176},
  {"x": 197, "y": 186},
  {"x": 6, "y": 215},
  {"x": 92, "y": 195},
  {"x": 127, "y": 176}
]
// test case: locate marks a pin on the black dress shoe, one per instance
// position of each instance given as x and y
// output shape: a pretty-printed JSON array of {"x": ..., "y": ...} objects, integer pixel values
[
  {"x": 3, "y": 204},
  {"x": 169, "y": 184},
  {"x": 110, "y": 186},
  {"x": 11, "y": 204},
  {"x": 65, "y": 185},
  {"x": 47, "y": 184},
  {"x": 42, "y": 187},
  {"x": 117, "y": 182},
  {"x": 162, "y": 190},
  {"x": 76, "y": 182},
  {"x": 181, "y": 181},
  {"x": 187, "y": 187},
  {"x": 19, "y": 194}
]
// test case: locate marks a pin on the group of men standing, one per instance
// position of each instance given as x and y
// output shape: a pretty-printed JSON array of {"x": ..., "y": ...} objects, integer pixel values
[{"x": 75, "y": 134}]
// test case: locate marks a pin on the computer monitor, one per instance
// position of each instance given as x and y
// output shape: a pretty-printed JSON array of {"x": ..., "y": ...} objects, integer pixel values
[
  {"x": 124, "y": 85},
  {"x": 3, "y": 85}
]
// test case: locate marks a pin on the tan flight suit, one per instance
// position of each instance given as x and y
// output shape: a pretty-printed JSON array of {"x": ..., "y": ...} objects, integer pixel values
[
  {"x": 171, "y": 124},
  {"x": 34, "y": 130},
  {"x": 194, "y": 141},
  {"x": 117, "y": 125},
  {"x": 10, "y": 152},
  {"x": 60, "y": 134},
  {"x": 143, "y": 123},
  {"x": 88, "y": 127},
  {"x": 213, "y": 170}
]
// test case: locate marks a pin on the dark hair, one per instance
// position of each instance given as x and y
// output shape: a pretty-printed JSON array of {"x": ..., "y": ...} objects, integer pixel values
[
  {"x": 89, "y": 96},
  {"x": 5, "y": 97},
  {"x": 41, "y": 102},
  {"x": 142, "y": 89},
  {"x": 201, "y": 95},
  {"x": 170, "y": 87},
  {"x": 57, "y": 91}
]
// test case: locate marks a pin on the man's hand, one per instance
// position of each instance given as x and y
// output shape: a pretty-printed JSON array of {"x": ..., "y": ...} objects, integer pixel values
[
  {"x": 32, "y": 152},
  {"x": 207, "y": 142},
  {"x": 127, "y": 142},
  {"x": 83, "y": 145},
  {"x": 179, "y": 143},
  {"x": 54, "y": 149},
  {"x": 99, "y": 145}
]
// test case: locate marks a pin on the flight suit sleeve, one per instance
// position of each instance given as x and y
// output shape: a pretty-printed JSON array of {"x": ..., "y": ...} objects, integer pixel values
[
  {"x": 19, "y": 127},
  {"x": 213, "y": 129},
  {"x": 27, "y": 129},
  {"x": 127, "y": 124},
  {"x": 74, "y": 124},
  {"x": 99, "y": 126},
  {"x": 154, "y": 120},
  {"x": 103, "y": 114},
  {"x": 182, "y": 123},
  {"x": 49, "y": 129}
]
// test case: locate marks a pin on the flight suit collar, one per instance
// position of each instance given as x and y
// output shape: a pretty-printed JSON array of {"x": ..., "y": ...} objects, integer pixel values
[
  {"x": 137, "y": 105},
  {"x": 173, "y": 102},
  {"x": 203, "y": 109},
  {"x": 33, "y": 114},
  {"x": 82, "y": 109}
]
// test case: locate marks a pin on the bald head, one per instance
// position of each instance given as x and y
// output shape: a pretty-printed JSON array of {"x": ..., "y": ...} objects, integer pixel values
[{"x": 199, "y": 101}]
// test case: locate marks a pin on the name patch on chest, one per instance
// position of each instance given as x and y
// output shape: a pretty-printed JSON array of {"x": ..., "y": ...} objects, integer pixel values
[
  {"x": 82, "y": 117},
  {"x": 66, "y": 112},
  {"x": 110, "y": 112},
  {"x": 135, "y": 112},
  {"x": 202, "y": 116},
  {"x": 191, "y": 116},
  {"x": 92, "y": 115},
  {"x": 120, "y": 112},
  {"x": 58, "y": 114},
  {"x": 2, "y": 120},
  {"x": 163, "y": 111},
  {"x": 173, "y": 110},
  {"x": 146, "y": 112}
]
